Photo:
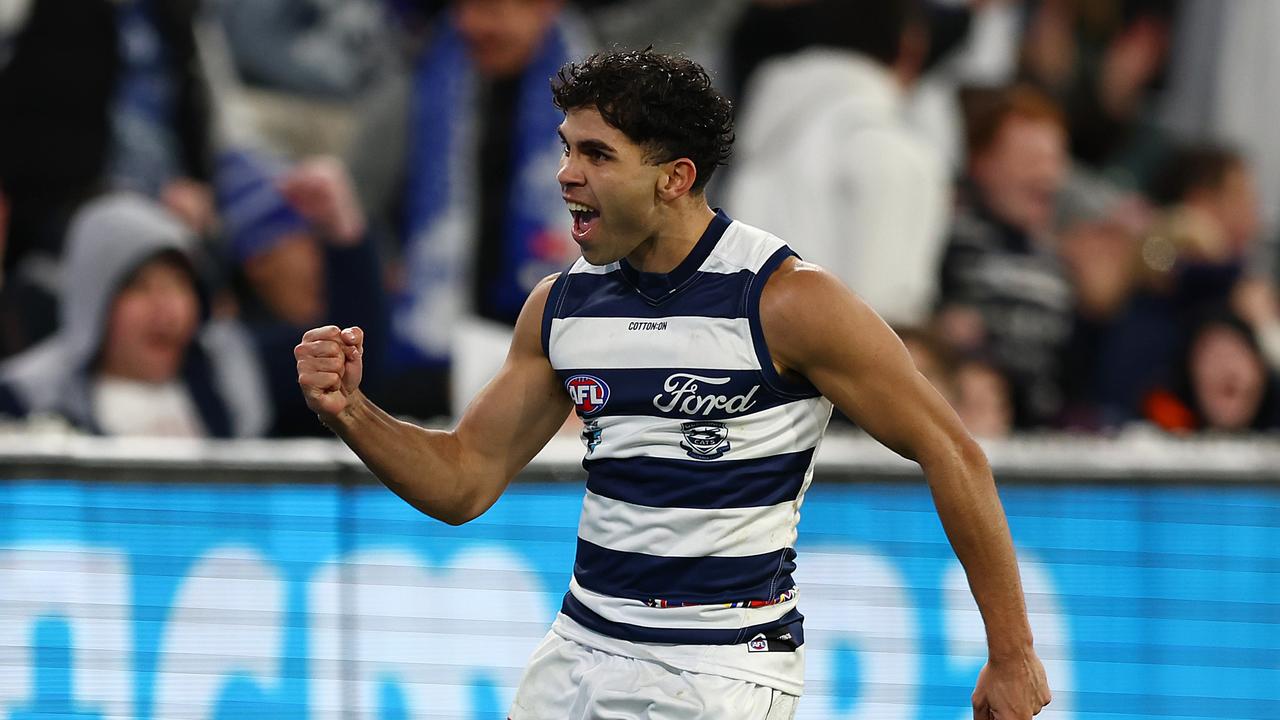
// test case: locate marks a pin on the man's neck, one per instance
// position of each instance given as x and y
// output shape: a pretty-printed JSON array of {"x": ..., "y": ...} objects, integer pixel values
[{"x": 674, "y": 239}]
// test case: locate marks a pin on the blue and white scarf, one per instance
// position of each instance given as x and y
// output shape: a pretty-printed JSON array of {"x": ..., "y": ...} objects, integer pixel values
[
  {"x": 441, "y": 196},
  {"x": 145, "y": 152}
]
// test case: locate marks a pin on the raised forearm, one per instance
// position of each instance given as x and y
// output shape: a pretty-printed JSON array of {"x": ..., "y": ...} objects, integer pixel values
[
  {"x": 969, "y": 507},
  {"x": 426, "y": 468}
]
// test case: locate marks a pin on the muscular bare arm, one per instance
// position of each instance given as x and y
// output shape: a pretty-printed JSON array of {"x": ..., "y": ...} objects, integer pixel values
[
  {"x": 454, "y": 475},
  {"x": 857, "y": 362}
]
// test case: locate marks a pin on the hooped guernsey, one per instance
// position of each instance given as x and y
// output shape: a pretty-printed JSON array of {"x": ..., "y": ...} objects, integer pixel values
[{"x": 698, "y": 455}]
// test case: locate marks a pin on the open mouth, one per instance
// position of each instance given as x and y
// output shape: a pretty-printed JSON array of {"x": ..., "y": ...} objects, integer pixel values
[{"x": 585, "y": 218}]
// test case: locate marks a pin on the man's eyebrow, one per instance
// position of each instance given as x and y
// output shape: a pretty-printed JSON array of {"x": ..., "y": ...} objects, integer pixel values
[
  {"x": 598, "y": 145},
  {"x": 589, "y": 144}
]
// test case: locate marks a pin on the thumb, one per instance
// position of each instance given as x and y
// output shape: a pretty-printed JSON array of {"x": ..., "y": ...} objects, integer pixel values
[{"x": 353, "y": 337}]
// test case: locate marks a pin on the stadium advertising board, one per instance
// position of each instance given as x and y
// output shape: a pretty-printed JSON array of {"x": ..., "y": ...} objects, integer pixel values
[{"x": 318, "y": 602}]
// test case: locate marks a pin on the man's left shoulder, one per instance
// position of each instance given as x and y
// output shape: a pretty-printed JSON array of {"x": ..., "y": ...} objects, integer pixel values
[
  {"x": 807, "y": 313},
  {"x": 798, "y": 288}
]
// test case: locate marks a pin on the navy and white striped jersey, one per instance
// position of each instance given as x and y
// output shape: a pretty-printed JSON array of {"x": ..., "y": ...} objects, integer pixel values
[{"x": 698, "y": 457}]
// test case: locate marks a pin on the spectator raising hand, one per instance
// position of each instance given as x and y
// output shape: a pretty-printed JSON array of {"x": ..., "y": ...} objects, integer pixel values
[
  {"x": 320, "y": 190},
  {"x": 299, "y": 238}
]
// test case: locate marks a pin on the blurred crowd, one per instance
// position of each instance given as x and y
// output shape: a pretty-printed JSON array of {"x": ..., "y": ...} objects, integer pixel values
[{"x": 1066, "y": 208}]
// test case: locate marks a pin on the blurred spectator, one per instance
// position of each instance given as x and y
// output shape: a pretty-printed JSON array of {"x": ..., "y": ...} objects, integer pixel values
[
  {"x": 698, "y": 30},
  {"x": 1223, "y": 87},
  {"x": 135, "y": 353},
  {"x": 316, "y": 48},
  {"x": 982, "y": 399},
  {"x": 766, "y": 29},
  {"x": 161, "y": 122},
  {"x": 1101, "y": 61},
  {"x": 94, "y": 92},
  {"x": 301, "y": 66},
  {"x": 826, "y": 160},
  {"x": 1099, "y": 245},
  {"x": 55, "y": 130},
  {"x": 1100, "y": 227},
  {"x": 1192, "y": 257},
  {"x": 969, "y": 43},
  {"x": 303, "y": 258},
  {"x": 460, "y": 163},
  {"x": 1214, "y": 199},
  {"x": 55, "y": 127},
  {"x": 1222, "y": 383},
  {"x": 1004, "y": 291},
  {"x": 972, "y": 44}
]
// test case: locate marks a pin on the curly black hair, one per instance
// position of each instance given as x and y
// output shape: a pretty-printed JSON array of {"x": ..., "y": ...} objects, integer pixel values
[{"x": 664, "y": 103}]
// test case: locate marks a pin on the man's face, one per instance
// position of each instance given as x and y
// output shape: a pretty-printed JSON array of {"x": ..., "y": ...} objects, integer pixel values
[
  {"x": 1022, "y": 171},
  {"x": 503, "y": 35},
  {"x": 610, "y": 186},
  {"x": 152, "y": 321}
]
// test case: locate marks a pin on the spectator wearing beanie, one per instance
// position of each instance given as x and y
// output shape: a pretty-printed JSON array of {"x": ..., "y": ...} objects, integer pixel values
[{"x": 302, "y": 257}]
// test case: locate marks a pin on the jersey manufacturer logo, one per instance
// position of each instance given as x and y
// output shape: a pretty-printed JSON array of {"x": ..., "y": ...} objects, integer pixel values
[
  {"x": 705, "y": 440},
  {"x": 647, "y": 325},
  {"x": 682, "y": 394},
  {"x": 588, "y": 392}
]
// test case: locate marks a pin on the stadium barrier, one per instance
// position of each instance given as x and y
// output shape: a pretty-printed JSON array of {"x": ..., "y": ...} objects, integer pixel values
[{"x": 141, "y": 579}]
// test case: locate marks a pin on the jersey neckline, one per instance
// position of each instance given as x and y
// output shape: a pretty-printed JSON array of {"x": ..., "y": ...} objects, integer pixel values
[{"x": 658, "y": 287}]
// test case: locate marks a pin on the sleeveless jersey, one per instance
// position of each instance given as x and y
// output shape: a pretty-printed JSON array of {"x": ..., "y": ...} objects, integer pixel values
[{"x": 698, "y": 454}]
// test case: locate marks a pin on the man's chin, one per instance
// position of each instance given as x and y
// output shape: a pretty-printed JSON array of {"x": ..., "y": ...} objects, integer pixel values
[{"x": 597, "y": 257}]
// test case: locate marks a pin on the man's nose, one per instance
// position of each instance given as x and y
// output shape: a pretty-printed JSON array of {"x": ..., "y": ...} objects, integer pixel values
[{"x": 569, "y": 173}]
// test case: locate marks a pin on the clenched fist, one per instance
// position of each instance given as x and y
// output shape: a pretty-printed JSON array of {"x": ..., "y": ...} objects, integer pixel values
[
  {"x": 330, "y": 365},
  {"x": 1011, "y": 690}
]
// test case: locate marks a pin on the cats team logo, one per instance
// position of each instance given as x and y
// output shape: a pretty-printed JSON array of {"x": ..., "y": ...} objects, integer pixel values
[
  {"x": 588, "y": 392},
  {"x": 705, "y": 440}
]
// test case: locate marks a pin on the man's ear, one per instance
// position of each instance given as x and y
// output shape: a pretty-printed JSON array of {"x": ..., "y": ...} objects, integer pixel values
[{"x": 676, "y": 178}]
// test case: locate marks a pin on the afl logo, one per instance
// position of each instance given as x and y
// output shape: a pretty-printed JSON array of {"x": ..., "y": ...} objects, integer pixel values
[
  {"x": 705, "y": 440},
  {"x": 588, "y": 392}
]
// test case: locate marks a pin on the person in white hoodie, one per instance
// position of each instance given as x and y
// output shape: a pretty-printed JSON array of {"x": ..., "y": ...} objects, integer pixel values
[
  {"x": 826, "y": 158},
  {"x": 136, "y": 353}
]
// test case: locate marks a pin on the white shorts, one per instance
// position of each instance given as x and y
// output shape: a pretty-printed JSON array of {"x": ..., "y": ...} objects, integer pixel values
[{"x": 569, "y": 681}]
